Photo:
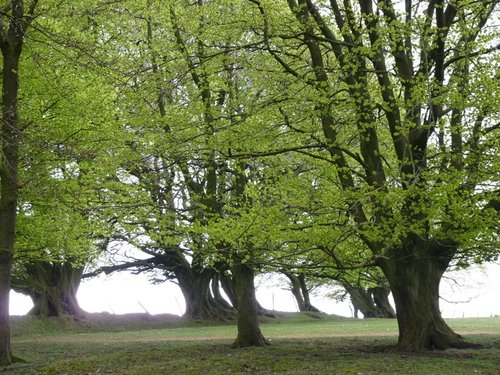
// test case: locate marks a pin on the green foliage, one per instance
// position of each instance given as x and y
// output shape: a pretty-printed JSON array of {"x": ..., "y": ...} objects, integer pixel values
[
  {"x": 69, "y": 144},
  {"x": 261, "y": 132}
]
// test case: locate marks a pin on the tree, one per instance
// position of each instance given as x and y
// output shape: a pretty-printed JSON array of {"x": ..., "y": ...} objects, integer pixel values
[
  {"x": 171, "y": 182},
  {"x": 414, "y": 140},
  {"x": 14, "y": 22},
  {"x": 371, "y": 302},
  {"x": 66, "y": 164},
  {"x": 52, "y": 288},
  {"x": 222, "y": 196},
  {"x": 187, "y": 77},
  {"x": 300, "y": 291}
]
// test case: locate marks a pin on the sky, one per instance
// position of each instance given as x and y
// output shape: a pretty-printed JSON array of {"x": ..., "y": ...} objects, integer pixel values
[{"x": 470, "y": 293}]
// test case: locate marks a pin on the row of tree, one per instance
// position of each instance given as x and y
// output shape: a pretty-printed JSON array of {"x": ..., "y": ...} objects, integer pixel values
[{"x": 228, "y": 137}]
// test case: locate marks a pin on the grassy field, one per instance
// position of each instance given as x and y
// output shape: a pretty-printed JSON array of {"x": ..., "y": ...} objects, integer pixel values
[{"x": 299, "y": 345}]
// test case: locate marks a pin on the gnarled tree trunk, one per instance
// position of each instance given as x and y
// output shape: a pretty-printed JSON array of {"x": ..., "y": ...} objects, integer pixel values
[
  {"x": 300, "y": 291},
  {"x": 380, "y": 296},
  {"x": 414, "y": 279},
  {"x": 53, "y": 288},
  {"x": 371, "y": 302},
  {"x": 216, "y": 291},
  {"x": 200, "y": 304},
  {"x": 249, "y": 333}
]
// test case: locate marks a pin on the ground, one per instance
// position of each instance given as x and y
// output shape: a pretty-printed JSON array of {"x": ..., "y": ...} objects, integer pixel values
[{"x": 141, "y": 344}]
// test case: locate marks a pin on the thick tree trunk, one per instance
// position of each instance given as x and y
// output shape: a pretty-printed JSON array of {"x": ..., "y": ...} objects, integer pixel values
[
  {"x": 200, "y": 304},
  {"x": 53, "y": 288},
  {"x": 11, "y": 46},
  {"x": 414, "y": 281},
  {"x": 249, "y": 333},
  {"x": 5, "y": 270}
]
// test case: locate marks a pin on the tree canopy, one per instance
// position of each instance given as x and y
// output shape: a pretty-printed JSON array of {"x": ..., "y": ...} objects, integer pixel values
[{"x": 224, "y": 138}]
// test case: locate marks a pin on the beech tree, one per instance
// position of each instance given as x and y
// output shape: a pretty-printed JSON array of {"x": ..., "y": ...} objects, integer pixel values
[
  {"x": 300, "y": 291},
  {"x": 403, "y": 98},
  {"x": 66, "y": 164},
  {"x": 216, "y": 186},
  {"x": 238, "y": 136},
  {"x": 180, "y": 99},
  {"x": 14, "y": 22},
  {"x": 164, "y": 172},
  {"x": 63, "y": 155}
]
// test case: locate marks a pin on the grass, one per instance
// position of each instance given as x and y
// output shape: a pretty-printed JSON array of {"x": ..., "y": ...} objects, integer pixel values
[{"x": 300, "y": 345}]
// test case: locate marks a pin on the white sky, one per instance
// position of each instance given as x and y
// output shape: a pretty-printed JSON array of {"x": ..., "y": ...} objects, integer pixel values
[{"x": 475, "y": 293}]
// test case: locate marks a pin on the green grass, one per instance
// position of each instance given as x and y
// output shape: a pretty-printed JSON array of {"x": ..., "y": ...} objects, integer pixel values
[{"x": 300, "y": 345}]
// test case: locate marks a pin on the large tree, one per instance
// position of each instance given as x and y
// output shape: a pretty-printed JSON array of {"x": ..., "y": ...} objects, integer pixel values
[
  {"x": 178, "y": 107},
  {"x": 300, "y": 290},
  {"x": 403, "y": 98},
  {"x": 14, "y": 22},
  {"x": 167, "y": 168},
  {"x": 66, "y": 162}
]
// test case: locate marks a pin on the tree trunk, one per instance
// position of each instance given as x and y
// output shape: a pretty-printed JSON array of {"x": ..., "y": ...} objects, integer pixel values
[
  {"x": 200, "y": 304},
  {"x": 371, "y": 302},
  {"x": 227, "y": 284},
  {"x": 362, "y": 301},
  {"x": 53, "y": 288},
  {"x": 296, "y": 291},
  {"x": 249, "y": 333},
  {"x": 300, "y": 291},
  {"x": 414, "y": 281},
  {"x": 380, "y": 296},
  {"x": 219, "y": 299},
  {"x": 5, "y": 271},
  {"x": 11, "y": 46},
  {"x": 305, "y": 293}
]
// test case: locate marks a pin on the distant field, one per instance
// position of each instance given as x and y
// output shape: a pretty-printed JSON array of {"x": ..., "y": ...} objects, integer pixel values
[{"x": 300, "y": 345}]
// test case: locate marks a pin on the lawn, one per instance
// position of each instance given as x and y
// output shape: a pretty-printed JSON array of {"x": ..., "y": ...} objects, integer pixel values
[{"x": 299, "y": 345}]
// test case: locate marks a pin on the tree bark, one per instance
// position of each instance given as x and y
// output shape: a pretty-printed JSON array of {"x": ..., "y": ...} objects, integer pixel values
[
  {"x": 200, "y": 304},
  {"x": 53, "y": 288},
  {"x": 11, "y": 42},
  {"x": 414, "y": 281},
  {"x": 216, "y": 291},
  {"x": 371, "y": 302},
  {"x": 5, "y": 274},
  {"x": 380, "y": 296},
  {"x": 249, "y": 333},
  {"x": 300, "y": 291}
]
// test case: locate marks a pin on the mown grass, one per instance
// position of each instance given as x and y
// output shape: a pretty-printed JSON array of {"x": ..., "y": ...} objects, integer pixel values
[{"x": 300, "y": 345}]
